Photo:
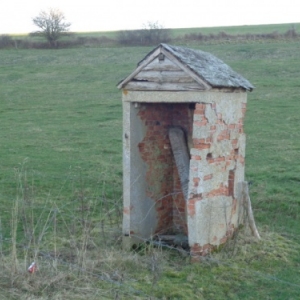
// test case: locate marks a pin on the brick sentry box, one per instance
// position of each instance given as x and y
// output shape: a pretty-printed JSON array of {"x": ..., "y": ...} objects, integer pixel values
[{"x": 176, "y": 87}]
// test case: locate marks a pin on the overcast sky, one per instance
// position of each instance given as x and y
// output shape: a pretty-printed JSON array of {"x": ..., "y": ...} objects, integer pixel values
[{"x": 100, "y": 15}]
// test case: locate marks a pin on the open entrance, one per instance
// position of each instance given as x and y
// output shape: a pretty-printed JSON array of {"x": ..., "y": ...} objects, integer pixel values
[{"x": 162, "y": 177}]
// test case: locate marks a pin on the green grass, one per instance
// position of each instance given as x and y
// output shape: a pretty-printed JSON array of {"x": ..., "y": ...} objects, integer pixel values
[
  {"x": 61, "y": 111},
  {"x": 61, "y": 128}
]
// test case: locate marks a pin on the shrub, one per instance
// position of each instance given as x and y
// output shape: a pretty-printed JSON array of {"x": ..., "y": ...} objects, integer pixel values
[
  {"x": 151, "y": 34},
  {"x": 6, "y": 41}
]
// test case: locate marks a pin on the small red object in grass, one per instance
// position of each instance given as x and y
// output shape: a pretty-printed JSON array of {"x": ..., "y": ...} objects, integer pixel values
[{"x": 32, "y": 268}]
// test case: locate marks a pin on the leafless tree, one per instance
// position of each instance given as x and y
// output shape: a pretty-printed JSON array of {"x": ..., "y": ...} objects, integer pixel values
[
  {"x": 151, "y": 34},
  {"x": 52, "y": 25},
  {"x": 154, "y": 33}
]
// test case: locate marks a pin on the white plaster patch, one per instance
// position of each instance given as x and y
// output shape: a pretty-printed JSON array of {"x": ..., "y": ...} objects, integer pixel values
[
  {"x": 239, "y": 176},
  {"x": 212, "y": 219},
  {"x": 221, "y": 148},
  {"x": 210, "y": 114},
  {"x": 202, "y": 132},
  {"x": 198, "y": 117},
  {"x": 195, "y": 190},
  {"x": 218, "y": 177},
  {"x": 193, "y": 230},
  {"x": 234, "y": 134},
  {"x": 232, "y": 165},
  {"x": 230, "y": 110},
  {"x": 242, "y": 144},
  {"x": 198, "y": 152}
]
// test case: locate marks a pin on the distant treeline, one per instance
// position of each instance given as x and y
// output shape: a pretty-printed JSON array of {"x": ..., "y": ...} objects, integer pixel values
[{"x": 143, "y": 37}]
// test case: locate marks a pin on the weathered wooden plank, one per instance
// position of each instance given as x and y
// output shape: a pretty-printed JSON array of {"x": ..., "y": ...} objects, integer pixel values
[
  {"x": 157, "y": 65},
  {"x": 246, "y": 213},
  {"x": 139, "y": 68},
  {"x": 164, "y": 76},
  {"x": 186, "y": 69},
  {"x": 164, "y": 86},
  {"x": 182, "y": 158}
]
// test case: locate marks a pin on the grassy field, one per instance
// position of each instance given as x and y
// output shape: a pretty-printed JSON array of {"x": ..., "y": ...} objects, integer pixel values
[{"x": 61, "y": 180}]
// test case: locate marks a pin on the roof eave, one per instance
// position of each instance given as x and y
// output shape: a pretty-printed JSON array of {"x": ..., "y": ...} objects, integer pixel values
[{"x": 150, "y": 56}]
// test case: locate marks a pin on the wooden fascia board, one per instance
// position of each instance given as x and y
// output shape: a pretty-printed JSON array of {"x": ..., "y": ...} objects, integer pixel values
[
  {"x": 186, "y": 69},
  {"x": 140, "y": 67}
]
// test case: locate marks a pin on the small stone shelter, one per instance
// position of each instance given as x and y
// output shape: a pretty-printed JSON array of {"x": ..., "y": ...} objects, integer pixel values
[{"x": 183, "y": 148}]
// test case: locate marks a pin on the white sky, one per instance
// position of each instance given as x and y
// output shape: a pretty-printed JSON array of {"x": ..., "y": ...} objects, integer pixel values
[{"x": 104, "y": 15}]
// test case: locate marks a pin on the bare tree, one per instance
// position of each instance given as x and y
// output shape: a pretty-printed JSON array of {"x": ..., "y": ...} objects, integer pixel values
[
  {"x": 52, "y": 25},
  {"x": 154, "y": 33}
]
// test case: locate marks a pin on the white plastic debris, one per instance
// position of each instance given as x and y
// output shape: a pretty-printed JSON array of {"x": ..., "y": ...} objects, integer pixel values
[{"x": 32, "y": 268}]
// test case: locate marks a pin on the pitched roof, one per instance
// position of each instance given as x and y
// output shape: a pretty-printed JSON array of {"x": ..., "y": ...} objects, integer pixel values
[{"x": 202, "y": 66}]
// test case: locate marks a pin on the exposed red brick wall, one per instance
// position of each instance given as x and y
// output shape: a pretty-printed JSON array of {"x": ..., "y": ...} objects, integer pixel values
[{"x": 163, "y": 184}]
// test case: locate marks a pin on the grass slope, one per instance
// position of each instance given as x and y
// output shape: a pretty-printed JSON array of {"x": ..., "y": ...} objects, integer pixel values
[{"x": 61, "y": 126}]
